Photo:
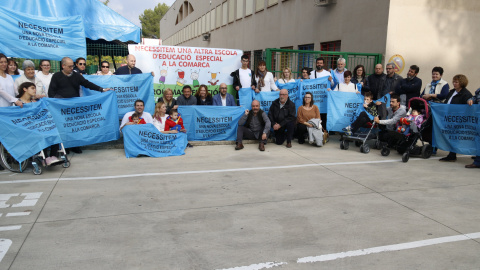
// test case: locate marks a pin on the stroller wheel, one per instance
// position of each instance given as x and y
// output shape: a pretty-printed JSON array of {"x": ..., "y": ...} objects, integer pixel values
[
  {"x": 358, "y": 143},
  {"x": 365, "y": 148},
  {"x": 346, "y": 144},
  {"x": 377, "y": 144},
  {"x": 405, "y": 157},
  {"x": 37, "y": 170},
  {"x": 342, "y": 145},
  {"x": 385, "y": 152},
  {"x": 427, "y": 151}
]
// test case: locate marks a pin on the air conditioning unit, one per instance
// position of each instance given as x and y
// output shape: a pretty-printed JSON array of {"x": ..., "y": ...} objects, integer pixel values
[
  {"x": 206, "y": 37},
  {"x": 322, "y": 3}
]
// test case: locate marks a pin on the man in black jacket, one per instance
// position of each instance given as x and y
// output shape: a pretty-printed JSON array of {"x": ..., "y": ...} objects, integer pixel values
[
  {"x": 376, "y": 84},
  {"x": 244, "y": 77},
  {"x": 411, "y": 86},
  {"x": 282, "y": 117}
]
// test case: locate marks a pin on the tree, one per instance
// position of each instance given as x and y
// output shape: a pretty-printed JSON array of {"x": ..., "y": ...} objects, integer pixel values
[
  {"x": 106, "y": 2},
  {"x": 150, "y": 20}
]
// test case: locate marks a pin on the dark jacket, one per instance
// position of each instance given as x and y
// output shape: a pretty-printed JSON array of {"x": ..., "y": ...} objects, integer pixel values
[
  {"x": 461, "y": 98},
  {"x": 208, "y": 101},
  {"x": 355, "y": 80},
  {"x": 375, "y": 84},
  {"x": 284, "y": 115},
  {"x": 236, "y": 81},
  {"x": 127, "y": 71},
  {"x": 410, "y": 88},
  {"x": 63, "y": 86},
  {"x": 391, "y": 84}
]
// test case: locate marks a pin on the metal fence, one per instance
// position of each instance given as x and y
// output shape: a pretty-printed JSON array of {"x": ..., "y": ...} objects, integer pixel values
[{"x": 278, "y": 59}]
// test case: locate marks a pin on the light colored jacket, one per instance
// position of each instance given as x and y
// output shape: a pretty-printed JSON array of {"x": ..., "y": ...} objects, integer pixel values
[{"x": 315, "y": 133}]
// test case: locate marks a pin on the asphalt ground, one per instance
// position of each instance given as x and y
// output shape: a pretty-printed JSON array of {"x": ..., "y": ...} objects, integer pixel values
[{"x": 217, "y": 208}]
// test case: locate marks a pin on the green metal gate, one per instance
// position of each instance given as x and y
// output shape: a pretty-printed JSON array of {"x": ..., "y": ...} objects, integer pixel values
[{"x": 278, "y": 59}]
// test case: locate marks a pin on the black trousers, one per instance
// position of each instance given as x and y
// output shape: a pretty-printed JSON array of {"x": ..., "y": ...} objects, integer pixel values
[
  {"x": 285, "y": 132},
  {"x": 361, "y": 121},
  {"x": 245, "y": 133},
  {"x": 301, "y": 131}
]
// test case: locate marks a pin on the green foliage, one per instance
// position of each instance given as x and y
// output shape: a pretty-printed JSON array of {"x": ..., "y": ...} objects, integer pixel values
[
  {"x": 106, "y": 2},
  {"x": 150, "y": 20}
]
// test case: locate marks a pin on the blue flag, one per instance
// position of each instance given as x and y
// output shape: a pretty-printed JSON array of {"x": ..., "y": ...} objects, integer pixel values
[
  {"x": 36, "y": 37},
  {"x": 456, "y": 128},
  {"x": 28, "y": 130},
  {"x": 211, "y": 123},
  {"x": 292, "y": 88},
  {"x": 147, "y": 140},
  {"x": 128, "y": 89},
  {"x": 86, "y": 120},
  {"x": 342, "y": 109},
  {"x": 318, "y": 87},
  {"x": 266, "y": 99},
  {"x": 245, "y": 97},
  {"x": 385, "y": 99}
]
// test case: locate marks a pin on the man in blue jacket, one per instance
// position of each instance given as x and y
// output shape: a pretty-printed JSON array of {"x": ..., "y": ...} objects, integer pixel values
[{"x": 223, "y": 98}]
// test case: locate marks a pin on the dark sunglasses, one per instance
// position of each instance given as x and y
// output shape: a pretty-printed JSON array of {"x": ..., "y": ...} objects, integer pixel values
[
  {"x": 81, "y": 64},
  {"x": 105, "y": 66}
]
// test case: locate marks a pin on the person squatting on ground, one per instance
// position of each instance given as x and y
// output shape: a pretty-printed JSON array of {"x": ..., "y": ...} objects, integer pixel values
[
  {"x": 394, "y": 113},
  {"x": 282, "y": 116},
  {"x": 305, "y": 113},
  {"x": 253, "y": 125},
  {"x": 139, "y": 110}
]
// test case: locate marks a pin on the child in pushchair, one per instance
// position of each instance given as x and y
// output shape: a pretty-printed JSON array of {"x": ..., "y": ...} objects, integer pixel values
[{"x": 411, "y": 129}]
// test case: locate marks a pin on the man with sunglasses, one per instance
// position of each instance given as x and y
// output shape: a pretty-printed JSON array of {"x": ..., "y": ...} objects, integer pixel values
[{"x": 80, "y": 66}]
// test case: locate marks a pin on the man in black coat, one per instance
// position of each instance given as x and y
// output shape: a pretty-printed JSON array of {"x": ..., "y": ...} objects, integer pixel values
[
  {"x": 411, "y": 86},
  {"x": 282, "y": 117},
  {"x": 375, "y": 83}
]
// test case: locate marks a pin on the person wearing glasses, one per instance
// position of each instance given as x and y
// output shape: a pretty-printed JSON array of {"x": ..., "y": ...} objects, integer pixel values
[
  {"x": 223, "y": 98},
  {"x": 392, "y": 81},
  {"x": 80, "y": 66},
  {"x": 104, "y": 69},
  {"x": 44, "y": 74},
  {"x": 282, "y": 116}
]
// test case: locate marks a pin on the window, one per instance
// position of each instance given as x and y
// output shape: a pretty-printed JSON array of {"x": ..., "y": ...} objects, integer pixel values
[
  {"x": 272, "y": 2},
  {"x": 286, "y": 59},
  {"x": 219, "y": 16},
  {"x": 260, "y": 5},
  {"x": 212, "y": 19},
  {"x": 257, "y": 56},
  {"x": 332, "y": 46},
  {"x": 239, "y": 9},
  {"x": 248, "y": 7},
  {"x": 184, "y": 10},
  {"x": 208, "y": 22},
  {"x": 305, "y": 59},
  {"x": 224, "y": 13},
  {"x": 231, "y": 10},
  {"x": 204, "y": 24}
]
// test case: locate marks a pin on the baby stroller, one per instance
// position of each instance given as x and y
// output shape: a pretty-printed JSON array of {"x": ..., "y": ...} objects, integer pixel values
[
  {"x": 364, "y": 134},
  {"x": 38, "y": 161},
  {"x": 406, "y": 144}
]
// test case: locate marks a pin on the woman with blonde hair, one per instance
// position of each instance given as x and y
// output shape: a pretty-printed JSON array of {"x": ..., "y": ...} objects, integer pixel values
[
  {"x": 160, "y": 117},
  {"x": 168, "y": 99},
  {"x": 286, "y": 76}
]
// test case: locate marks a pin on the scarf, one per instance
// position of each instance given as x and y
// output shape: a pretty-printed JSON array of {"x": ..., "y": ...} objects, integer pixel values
[
  {"x": 434, "y": 85},
  {"x": 261, "y": 78}
]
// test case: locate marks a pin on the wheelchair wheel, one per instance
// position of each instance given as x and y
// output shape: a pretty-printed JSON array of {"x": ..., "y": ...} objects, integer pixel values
[
  {"x": 385, "y": 152},
  {"x": 11, "y": 163},
  {"x": 358, "y": 143},
  {"x": 427, "y": 151},
  {"x": 365, "y": 148},
  {"x": 405, "y": 157}
]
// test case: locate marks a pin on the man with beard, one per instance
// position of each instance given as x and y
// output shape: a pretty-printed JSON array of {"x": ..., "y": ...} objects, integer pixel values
[
  {"x": 411, "y": 86},
  {"x": 282, "y": 115},
  {"x": 223, "y": 98},
  {"x": 254, "y": 125},
  {"x": 319, "y": 73}
]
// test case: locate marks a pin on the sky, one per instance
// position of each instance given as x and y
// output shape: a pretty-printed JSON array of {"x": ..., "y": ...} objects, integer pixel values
[{"x": 131, "y": 9}]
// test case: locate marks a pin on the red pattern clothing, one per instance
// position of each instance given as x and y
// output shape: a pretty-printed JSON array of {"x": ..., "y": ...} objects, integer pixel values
[
  {"x": 141, "y": 120},
  {"x": 170, "y": 124}
]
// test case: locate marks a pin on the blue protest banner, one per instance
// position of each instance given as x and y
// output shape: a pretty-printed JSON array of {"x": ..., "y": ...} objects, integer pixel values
[
  {"x": 385, "y": 99},
  {"x": 36, "y": 37},
  {"x": 245, "y": 97},
  {"x": 128, "y": 89},
  {"x": 266, "y": 99},
  {"x": 86, "y": 120},
  {"x": 28, "y": 130},
  {"x": 318, "y": 87},
  {"x": 211, "y": 123},
  {"x": 456, "y": 128},
  {"x": 147, "y": 140},
  {"x": 342, "y": 109},
  {"x": 292, "y": 88}
]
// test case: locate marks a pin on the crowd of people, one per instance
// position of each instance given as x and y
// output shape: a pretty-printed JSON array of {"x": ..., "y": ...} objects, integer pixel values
[{"x": 283, "y": 119}]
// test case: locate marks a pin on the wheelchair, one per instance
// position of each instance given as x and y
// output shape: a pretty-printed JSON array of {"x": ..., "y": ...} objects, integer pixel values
[{"x": 37, "y": 161}]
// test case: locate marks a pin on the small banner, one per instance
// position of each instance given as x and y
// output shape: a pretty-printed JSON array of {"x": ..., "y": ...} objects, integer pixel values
[
  {"x": 342, "y": 109},
  {"x": 211, "y": 123},
  {"x": 385, "y": 99},
  {"x": 245, "y": 97},
  {"x": 456, "y": 128},
  {"x": 28, "y": 130},
  {"x": 266, "y": 99},
  {"x": 35, "y": 37},
  {"x": 292, "y": 88},
  {"x": 86, "y": 120},
  {"x": 147, "y": 140},
  {"x": 128, "y": 89},
  {"x": 318, "y": 87}
]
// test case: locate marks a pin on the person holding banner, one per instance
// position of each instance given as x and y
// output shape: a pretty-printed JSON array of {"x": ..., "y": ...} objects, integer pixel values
[
  {"x": 29, "y": 76},
  {"x": 104, "y": 69},
  {"x": 305, "y": 73},
  {"x": 474, "y": 100},
  {"x": 7, "y": 88},
  {"x": 168, "y": 99},
  {"x": 359, "y": 75},
  {"x": 282, "y": 116},
  {"x": 338, "y": 73},
  {"x": 160, "y": 118},
  {"x": 223, "y": 98},
  {"x": 13, "y": 68},
  {"x": 410, "y": 87},
  {"x": 438, "y": 89},
  {"x": 264, "y": 79},
  {"x": 253, "y": 124},
  {"x": 395, "y": 112},
  {"x": 243, "y": 77},
  {"x": 364, "y": 117},
  {"x": 44, "y": 73},
  {"x": 286, "y": 76},
  {"x": 306, "y": 112},
  {"x": 375, "y": 84},
  {"x": 80, "y": 66},
  {"x": 66, "y": 83},
  {"x": 458, "y": 95},
  {"x": 320, "y": 72},
  {"x": 203, "y": 96},
  {"x": 139, "y": 109},
  {"x": 130, "y": 67},
  {"x": 347, "y": 85}
]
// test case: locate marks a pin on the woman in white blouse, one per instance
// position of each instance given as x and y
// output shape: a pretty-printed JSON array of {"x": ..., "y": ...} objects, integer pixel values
[
  {"x": 286, "y": 76},
  {"x": 7, "y": 88},
  {"x": 264, "y": 78},
  {"x": 44, "y": 73},
  {"x": 160, "y": 116},
  {"x": 347, "y": 86}
]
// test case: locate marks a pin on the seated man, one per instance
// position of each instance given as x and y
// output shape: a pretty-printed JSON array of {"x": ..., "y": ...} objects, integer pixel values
[
  {"x": 139, "y": 107},
  {"x": 253, "y": 124},
  {"x": 223, "y": 98},
  {"x": 394, "y": 113},
  {"x": 282, "y": 115},
  {"x": 186, "y": 98}
]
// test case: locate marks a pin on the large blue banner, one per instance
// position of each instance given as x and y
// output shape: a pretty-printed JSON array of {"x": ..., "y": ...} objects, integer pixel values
[
  {"x": 28, "y": 130},
  {"x": 266, "y": 99},
  {"x": 342, "y": 109},
  {"x": 456, "y": 128},
  {"x": 245, "y": 97},
  {"x": 86, "y": 120},
  {"x": 147, "y": 140},
  {"x": 211, "y": 123},
  {"x": 318, "y": 87},
  {"x": 128, "y": 89},
  {"x": 292, "y": 88},
  {"x": 35, "y": 37}
]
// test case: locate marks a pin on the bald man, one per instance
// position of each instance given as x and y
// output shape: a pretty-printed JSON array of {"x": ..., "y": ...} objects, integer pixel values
[
  {"x": 130, "y": 67},
  {"x": 282, "y": 115},
  {"x": 254, "y": 125}
]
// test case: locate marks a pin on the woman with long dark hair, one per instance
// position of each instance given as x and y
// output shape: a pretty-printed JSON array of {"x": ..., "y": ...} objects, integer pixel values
[{"x": 264, "y": 78}]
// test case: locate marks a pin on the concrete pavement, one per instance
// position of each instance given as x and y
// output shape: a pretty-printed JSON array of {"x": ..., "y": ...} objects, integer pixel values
[{"x": 217, "y": 208}]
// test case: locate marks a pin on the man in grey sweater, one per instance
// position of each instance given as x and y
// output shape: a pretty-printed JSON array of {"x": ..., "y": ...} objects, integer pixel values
[{"x": 254, "y": 125}]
